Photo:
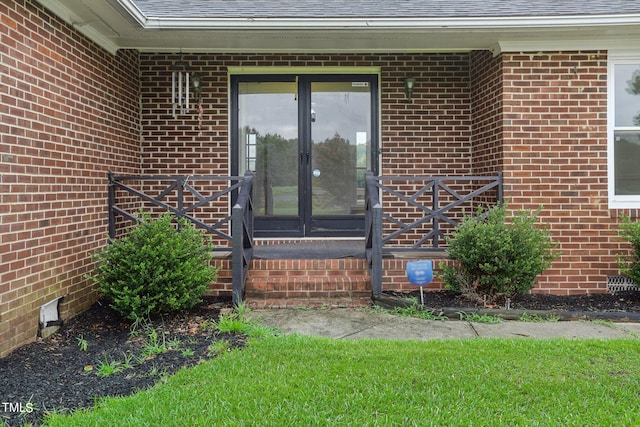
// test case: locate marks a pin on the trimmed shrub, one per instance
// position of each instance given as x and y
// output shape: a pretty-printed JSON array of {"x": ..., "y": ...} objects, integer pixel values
[
  {"x": 496, "y": 259},
  {"x": 630, "y": 264},
  {"x": 160, "y": 266}
]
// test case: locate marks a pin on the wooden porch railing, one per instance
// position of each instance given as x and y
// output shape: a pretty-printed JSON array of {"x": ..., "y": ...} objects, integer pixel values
[
  {"x": 401, "y": 213},
  {"x": 185, "y": 200},
  {"x": 415, "y": 213}
]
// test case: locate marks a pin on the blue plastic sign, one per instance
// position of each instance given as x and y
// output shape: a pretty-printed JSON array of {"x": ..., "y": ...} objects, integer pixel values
[{"x": 420, "y": 272}]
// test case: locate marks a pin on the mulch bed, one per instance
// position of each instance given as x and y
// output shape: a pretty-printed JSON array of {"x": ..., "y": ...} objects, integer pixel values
[
  {"x": 627, "y": 301},
  {"x": 618, "y": 307},
  {"x": 56, "y": 374}
]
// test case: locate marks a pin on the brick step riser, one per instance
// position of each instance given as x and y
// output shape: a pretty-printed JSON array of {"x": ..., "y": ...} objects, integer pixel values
[{"x": 300, "y": 282}]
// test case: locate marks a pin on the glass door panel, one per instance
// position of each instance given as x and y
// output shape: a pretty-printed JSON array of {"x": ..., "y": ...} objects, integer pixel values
[
  {"x": 268, "y": 145},
  {"x": 341, "y": 134}
]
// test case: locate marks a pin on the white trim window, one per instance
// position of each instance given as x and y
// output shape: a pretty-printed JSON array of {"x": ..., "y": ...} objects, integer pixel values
[{"x": 624, "y": 130}]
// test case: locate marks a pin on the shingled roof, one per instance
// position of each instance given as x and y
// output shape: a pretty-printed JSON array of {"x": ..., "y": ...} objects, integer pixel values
[{"x": 381, "y": 8}]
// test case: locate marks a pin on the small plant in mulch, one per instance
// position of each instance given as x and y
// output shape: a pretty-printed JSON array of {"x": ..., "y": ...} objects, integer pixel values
[
  {"x": 495, "y": 258},
  {"x": 83, "y": 344},
  {"x": 161, "y": 266},
  {"x": 629, "y": 264},
  {"x": 108, "y": 367}
]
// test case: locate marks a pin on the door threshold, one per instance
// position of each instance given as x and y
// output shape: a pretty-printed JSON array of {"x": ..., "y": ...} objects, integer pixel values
[
  {"x": 311, "y": 249},
  {"x": 268, "y": 240}
]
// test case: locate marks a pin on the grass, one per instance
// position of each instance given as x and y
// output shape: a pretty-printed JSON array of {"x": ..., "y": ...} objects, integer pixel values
[
  {"x": 479, "y": 318},
  {"x": 237, "y": 322},
  {"x": 526, "y": 317},
  {"x": 295, "y": 380},
  {"x": 411, "y": 311}
]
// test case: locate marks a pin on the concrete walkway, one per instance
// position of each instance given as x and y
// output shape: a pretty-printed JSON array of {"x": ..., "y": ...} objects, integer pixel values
[{"x": 358, "y": 323}]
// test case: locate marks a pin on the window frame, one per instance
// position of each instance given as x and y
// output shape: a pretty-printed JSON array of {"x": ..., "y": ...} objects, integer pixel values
[{"x": 614, "y": 59}]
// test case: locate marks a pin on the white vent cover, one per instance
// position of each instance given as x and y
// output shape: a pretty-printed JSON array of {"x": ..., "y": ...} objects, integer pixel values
[{"x": 50, "y": 314}]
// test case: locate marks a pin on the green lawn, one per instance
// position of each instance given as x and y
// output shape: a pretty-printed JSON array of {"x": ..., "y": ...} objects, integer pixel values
[{"x": 304, "y": 381}]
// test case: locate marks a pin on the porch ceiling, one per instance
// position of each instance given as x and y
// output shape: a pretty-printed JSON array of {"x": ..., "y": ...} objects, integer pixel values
[{"x": 121, "y": 24}]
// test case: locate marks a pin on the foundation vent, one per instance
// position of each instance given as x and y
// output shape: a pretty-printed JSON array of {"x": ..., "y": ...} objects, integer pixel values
[
  {"x": 50, "y": 320},
  {"x": 620, "y": 284}
]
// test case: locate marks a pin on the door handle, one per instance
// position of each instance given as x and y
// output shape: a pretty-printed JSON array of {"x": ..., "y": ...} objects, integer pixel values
[{"x": 304, "y": 156}]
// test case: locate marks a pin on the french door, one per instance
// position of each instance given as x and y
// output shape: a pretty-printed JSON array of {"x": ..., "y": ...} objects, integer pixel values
[{"x": 309, "y": 139}]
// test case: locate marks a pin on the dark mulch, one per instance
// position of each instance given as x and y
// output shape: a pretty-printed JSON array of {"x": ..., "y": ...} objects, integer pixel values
[
  {"x": 627, "y": 301},
  {"x": 55, "y": 374}
]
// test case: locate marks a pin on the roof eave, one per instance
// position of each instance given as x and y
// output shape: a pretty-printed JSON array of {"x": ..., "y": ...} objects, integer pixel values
[{"x": 119, "y": 24}]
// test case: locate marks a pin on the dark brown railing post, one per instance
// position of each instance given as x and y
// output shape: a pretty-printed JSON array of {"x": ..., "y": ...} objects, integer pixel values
[
  {"x": 236, "y": 254},
  {"x": 373, "y": 231},
  {"x": 112, "y": 202},
  {"x": 242, "y": 235},
  {"x": 376, "y": 260},
  {"x": 435, "y": 198},
  {"x": 180, "y": 202}
]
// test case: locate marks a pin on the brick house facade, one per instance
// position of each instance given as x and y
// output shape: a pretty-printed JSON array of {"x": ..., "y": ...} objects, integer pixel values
[{"x": 71, "y": 112}]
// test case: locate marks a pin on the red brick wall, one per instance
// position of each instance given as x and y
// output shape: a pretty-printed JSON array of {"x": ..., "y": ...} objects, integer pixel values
[
  {"x": 486, "y": 113},
  {"x": 431, "y": 134},
  {"x": 177, "y": 146},
  {"x": 428, "y": 136},
  {"x": 70, "y": 113},
  {"x": 555, "y": 156}
]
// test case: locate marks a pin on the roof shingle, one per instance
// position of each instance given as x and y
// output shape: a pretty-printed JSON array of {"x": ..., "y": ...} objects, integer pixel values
[{"x": 382, "y": 8}]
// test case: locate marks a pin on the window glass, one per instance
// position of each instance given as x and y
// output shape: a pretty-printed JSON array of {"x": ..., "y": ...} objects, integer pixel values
[
  {"x": 627, "y": 95},
  {"x": 625, "y": 133},
  {"x": 627, "y": 160}
]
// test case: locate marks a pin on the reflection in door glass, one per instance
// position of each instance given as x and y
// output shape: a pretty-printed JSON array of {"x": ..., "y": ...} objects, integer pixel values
[
  {"x": 341, "y": 140},
  {"x": 268, "y": 144}
]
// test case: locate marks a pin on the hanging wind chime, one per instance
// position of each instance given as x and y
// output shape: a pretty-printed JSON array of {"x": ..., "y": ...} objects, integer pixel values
[
  {"x": 179, "y": 89},
  {"x": 181, "y": 84}
]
